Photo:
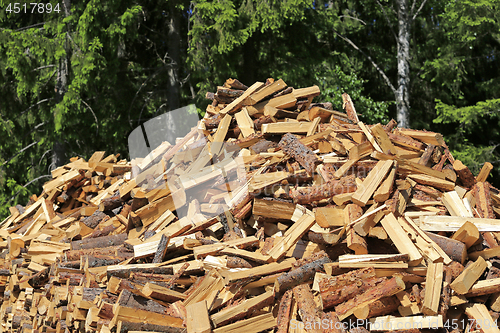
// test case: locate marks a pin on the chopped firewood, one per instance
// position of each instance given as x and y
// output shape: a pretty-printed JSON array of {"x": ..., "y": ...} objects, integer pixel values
[
  {"x": 378, "y": 308},
  {"x": 243, "y": 309},
  {"x": 284, "y": 311},
  {"x": 197, "y": 318},
  {"x": 455, "y": 250},
  {"x": 294, "y": 233},
  {"x": 485, "y": 172},
  {"x": 467, "y": 234},
  {"x": 299, "y": 275},
  {"x": 384, "y": 289},
  {"x": 308, "y": 311},
  {"x": 329, "y": 217},
  {"x": 245, "y": 123},
  {"x": 293, "y": 147},
  {"x": 401, "y": 239},
  {"x": 464, "y": 174},
  {"x": 479, "y": 313},
  {"x": 255, "y": 324},
  {"x": 433, "y": 282},
  {"x": 469, "y": 276},
  {"x": 453, "y": 223},
  {"x": 371, "y": 182},
  {"x": 455, "y": 205},
  {"x": 389, "y": 322},
  {"x": 288, "y": 191},
  {"x": 483, "y": 200}
]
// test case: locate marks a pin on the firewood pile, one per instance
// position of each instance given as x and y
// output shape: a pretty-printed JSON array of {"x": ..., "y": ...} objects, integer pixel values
[{"x": 273, "y": 213}]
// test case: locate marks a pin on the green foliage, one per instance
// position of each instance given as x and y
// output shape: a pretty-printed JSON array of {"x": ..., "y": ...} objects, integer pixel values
[
  {"x": 477, "y": 131},
  {"x": 333, "y": 82}
]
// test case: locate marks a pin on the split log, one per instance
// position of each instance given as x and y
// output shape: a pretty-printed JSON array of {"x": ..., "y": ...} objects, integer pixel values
[
  {"x": 485, "y": 172},
  {"x": 293, "y": 147},
  {"x": 118, "y": 251},
  {"x": 371, "y": 182},
  {"x": 127, "y": 326},
  {"x": 444, "y": 304},
  {"x": 456, "y": 250},
  {"x": 308, "y": 311},
  {"x": 197, "y": 318},
  {"x": 284, "y": 311},
  {"x": 161, "y": 249},
  {"x": 467, "y": 234},
  {"x": 484, "y": 206},
  {"x": 469, "y": 276},
  {"x": 465, "y": 175},
  {"x": 243, "y": 309},
  {"x": 111, "y": 203},
  {"x": 328, "y": 190},
  {"x": 434, "y": 280},
  {"x": 384, "y": 289},
  {"x": 299, "y": 275},
  {"x": 380, "y": 307},
  {"x": 93, "y": 220},
  {"x": 101, "y": 242}
]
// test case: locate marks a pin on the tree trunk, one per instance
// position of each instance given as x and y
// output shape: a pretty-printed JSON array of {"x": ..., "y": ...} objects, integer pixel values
[
  {"x": 403, "y": 58},
  {"x": 58, "y": 149},
  {"x": 174, "y": 45},
  {"x": 173, "y": 87}
]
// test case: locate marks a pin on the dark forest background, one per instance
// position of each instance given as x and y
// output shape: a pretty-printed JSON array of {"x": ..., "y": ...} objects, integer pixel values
[{"x": 82, "y": 77}]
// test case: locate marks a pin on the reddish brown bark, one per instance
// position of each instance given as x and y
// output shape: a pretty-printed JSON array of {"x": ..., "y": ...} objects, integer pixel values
[{"x": 302, "y": 154}]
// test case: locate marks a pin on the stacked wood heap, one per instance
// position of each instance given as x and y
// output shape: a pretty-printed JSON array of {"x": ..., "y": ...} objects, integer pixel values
[{"x": 329, "y": 221}]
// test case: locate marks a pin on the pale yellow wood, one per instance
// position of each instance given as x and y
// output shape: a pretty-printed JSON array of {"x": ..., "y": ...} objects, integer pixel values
[
  {"x": 314, "y": 127},
  {"x": 382, "y": 265},
  {"x": 327, "y": 217},
  {"x": 426, "y": 137},
  {"x": 433, "y": 282},
  {"x": 469, "y": 276},
  {"x": 241, "y": 308},
  {"x": 197, "y": 177},
  {"x": 343, "y": 169},
  {"x": 204, "y": 250},
  {"x": 371, "y": 182},
  {"x": 282, "y": 128},
  {"x": 485, "y": 172},
  {"x": 439, "y": 184},
  {"x": 245, "y": 123},
  {"x": 50, "y": 185},
  {"x": 467, "y": 234},
  {"x": 30, "y": 210},
  {"x": 388, "y": 323},
  {"x": 485, "y": 254},
  {"x": 220, "y": 134},
  {"x": 384, "y": 190},
  {"x": 480, "y": 313},
  {"x": 427, "y": 247},
  {"x": 420, "y": 169},
  {"x": 197, "y": 320},
  {"x": 260, "y": 323},
  {"x": 400, "y": 239},
  {"x": 383, "y": 140},
  {"x": 266, "y": 179},
  {"x": 236, "y": 104},
  {"x": 265, "y": 92},
  {"x": 292, "y": 235},
  {"x": 311, "y": 91},
  {"x": 455, "y": 205},
  {"x": 453, "y": 223},
  {"x": 369, "y": 136}
]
